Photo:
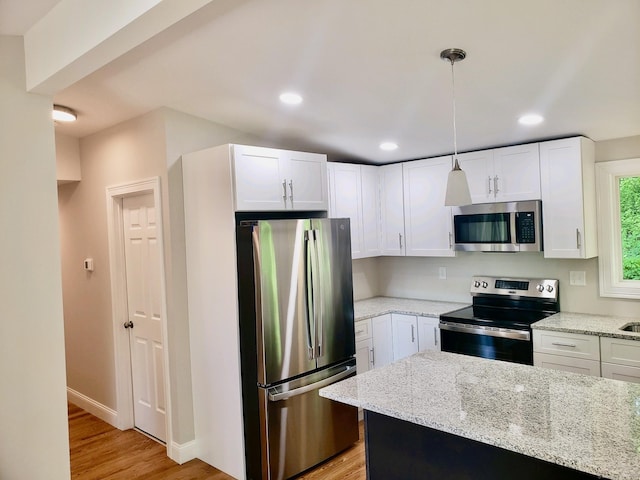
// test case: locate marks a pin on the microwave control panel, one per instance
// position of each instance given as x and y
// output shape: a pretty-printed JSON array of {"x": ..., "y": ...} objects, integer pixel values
[{"x": 525, "y": 227}]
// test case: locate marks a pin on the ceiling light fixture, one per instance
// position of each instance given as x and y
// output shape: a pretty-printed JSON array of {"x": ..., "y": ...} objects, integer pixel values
[
  {"x": 457, "y": 187},
  {"x": 530, "y": 119},
  {"x": 63, "y": 114},
  {"x": 388, "y": 146},
  {"x": 291, "y": 98}
]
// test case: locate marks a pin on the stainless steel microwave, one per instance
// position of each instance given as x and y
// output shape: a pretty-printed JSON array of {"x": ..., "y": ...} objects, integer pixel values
[{"x": 498, "y": 227}]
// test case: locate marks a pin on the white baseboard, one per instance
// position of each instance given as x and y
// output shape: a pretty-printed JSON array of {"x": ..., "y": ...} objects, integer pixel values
[
  {"x": 94, "y": 408},
  {"x": 183, "y": 452}
]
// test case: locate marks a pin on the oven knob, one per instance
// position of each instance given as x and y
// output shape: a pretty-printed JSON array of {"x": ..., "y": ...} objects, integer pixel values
[
  {"x": 549, "y": 288},
  {"x": 476, "y": 284},
  {"x": 540, "y": 288},
  {"x": 485, "y": 284}
]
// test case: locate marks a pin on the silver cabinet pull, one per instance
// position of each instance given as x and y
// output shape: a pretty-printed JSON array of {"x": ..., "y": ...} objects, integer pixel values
[
  {"x": 400, "y": 240},
  {"x": 489, "y": 184},
  {"x": 413, "y": 334},
  {"x": 495, "y": 186},
  {"x": 560, "y": 344},
  {"x": 291, "y": 190},
  {"x": 373, "y": 356},
  {"x": 435, "y": 336},
  {"x": 450, "y": 240},
  {"x": 284, "y": 190},
  {"x": 578, "y": 240}
]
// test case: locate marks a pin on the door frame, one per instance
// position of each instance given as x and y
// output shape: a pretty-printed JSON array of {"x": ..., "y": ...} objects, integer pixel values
[{"x": 119, "y": 304}]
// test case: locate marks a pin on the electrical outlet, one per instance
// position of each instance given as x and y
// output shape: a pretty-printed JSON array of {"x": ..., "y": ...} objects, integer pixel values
[
  {"x": 442, "y": 273},
  {"x": 578, "y": 278}
]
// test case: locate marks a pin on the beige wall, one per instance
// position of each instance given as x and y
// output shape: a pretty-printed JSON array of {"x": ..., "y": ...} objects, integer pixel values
[
  {"x": 144, "y": 147},
  {"x": 415, "y": 277},
  {"x": 33, "y": 411},
  {"x": 67, "y": 159}
]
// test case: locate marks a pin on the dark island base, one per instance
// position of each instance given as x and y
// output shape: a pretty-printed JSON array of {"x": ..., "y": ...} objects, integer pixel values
[{"x": 396, "y": 449}]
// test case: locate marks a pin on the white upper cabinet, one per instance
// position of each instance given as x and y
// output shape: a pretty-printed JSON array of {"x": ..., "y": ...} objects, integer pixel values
[
  {"x": 392, "y": 209},
  {"x": 503, "y": 174},
  {"x": 354, "y": 193},
  {"x": 427, "y": 222},
  {"x": 568, "y": 198},
  {"x": 268, "y": 179}
]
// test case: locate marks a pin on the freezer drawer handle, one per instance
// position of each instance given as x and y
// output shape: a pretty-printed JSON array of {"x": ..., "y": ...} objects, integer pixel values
[{"x": 276, "y": 397}]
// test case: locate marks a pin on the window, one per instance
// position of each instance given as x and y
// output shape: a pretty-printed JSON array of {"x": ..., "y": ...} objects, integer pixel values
[{"x": 618, "y": 191}]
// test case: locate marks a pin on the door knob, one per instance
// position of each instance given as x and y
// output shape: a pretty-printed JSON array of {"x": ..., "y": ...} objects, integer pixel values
[{"x": 128, "y": 324}]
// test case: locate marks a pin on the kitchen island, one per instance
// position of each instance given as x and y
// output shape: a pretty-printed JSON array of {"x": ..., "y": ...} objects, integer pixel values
[{"x": 443, "y": 415}]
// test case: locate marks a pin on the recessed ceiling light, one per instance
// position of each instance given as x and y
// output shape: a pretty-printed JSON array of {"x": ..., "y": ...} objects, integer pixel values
[
  {"x": 530, "y": 119},
  {"x": 291, "y": 98},
  {"x": 388, "y": 146},
  {"x": 63, "y": 114}
]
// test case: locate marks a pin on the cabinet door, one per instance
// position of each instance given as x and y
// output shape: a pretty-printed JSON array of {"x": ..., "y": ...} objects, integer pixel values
[
  {"x": 567, "y": 364},
  {"x": 516, "y": 173},
  {"x": 306, "y": 176},
  {"x": 382, "y": 334},
  {"x": 427, "y": 222},
  {"x": 478, "y": 167},
  {"x": 364, "y": 350},
  {"x": 568, "y": 198},
  {"x": 621, "y": 372},
  {"x": 370, "y": 187},
  {"x": 392, "y": 209},
  {"x": 259, "y": 178},
  {"x": 405, "y": 335},
  {"x": 345, "y": 200},
  {"x": 428, "y": 334}
]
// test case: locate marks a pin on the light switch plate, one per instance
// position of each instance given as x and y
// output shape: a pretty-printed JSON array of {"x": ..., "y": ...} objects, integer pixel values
[{"x": 578, "y": 278}]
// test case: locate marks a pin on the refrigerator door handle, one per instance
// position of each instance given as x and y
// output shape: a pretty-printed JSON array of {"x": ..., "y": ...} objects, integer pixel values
[
  {"x": 308, "y": 267},
  {"x": 277, "y": 397},
  {"x": 318, "y": 295}
]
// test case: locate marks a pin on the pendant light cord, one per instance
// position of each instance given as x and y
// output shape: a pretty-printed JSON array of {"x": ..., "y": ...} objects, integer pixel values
[{"x": 455, "y": 136}]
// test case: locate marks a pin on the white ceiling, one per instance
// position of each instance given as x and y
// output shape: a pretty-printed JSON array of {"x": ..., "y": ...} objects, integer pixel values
[{"x": 370, "y": 71}]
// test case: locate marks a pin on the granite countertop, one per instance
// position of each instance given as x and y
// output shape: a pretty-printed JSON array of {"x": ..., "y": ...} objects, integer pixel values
[
  {"x": 372, "y": 307},
  {"x": 586, "y": 423},
  {"x": 602, "y": 325}
]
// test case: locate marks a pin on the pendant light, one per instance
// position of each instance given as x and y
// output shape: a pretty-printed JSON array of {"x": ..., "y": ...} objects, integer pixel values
[{"x": 457, "y": 186}]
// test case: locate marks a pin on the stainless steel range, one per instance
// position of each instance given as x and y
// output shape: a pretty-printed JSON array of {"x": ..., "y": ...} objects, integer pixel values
[{"x": 498, "y": 324}]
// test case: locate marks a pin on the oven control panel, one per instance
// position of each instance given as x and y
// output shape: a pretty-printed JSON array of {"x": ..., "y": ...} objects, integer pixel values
[{"x": 520, "y": 287}]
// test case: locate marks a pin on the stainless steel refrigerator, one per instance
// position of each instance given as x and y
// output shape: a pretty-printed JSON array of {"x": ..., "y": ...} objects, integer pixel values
[{"x": 296, "y": 329}]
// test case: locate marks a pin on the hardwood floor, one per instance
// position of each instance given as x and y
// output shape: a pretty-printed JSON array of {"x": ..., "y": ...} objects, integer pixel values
[{"x": 102, "y": 452}]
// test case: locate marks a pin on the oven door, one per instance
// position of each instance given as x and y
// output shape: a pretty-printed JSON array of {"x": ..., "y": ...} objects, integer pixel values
[{"x": 495, "y": 343}]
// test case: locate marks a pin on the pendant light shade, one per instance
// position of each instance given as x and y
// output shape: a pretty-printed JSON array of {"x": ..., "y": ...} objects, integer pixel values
[{"x": 457, "y": 193}]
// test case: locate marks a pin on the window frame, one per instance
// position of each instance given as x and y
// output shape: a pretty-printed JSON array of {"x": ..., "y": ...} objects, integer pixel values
[{"x": 609, "y": 228}]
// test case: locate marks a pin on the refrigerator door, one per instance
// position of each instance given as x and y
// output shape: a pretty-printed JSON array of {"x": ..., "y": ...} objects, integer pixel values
[
  {"x": 304, "y": 429},
  {"x": 333, "y": 292},
  {"x": 283, "y": 326}
]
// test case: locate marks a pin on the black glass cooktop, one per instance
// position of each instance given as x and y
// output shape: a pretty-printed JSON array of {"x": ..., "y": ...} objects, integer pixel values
[{"x": 501, "y": 317}]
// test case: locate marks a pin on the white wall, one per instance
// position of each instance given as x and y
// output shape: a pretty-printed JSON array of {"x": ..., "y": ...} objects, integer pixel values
[
  {"x": 415, "y": 277},
  {"x": 33, "y": 411},
  {"x": 67, "y": 159}
]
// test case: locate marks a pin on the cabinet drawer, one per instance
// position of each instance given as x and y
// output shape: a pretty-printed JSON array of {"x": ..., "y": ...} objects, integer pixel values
[
  {"x": 363, "y": 329},
  {"x": 620, "y": 351},
  {"x": 621, "y": 372},
  {"x": 567, "y": 344},
  {"x": 567, "y": 364}
]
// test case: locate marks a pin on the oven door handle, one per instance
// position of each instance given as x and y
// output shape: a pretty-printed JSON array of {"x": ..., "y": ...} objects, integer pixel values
[{"x": 487, "y": 331}]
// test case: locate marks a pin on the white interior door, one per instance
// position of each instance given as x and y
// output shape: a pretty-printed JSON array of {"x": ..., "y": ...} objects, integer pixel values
[{"x": 144, "y": 296}]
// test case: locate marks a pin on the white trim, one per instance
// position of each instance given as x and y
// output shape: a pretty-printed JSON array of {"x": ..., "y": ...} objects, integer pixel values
[
  {"x": 94, "y": 408},
  {"x": 610, "y": 247},
  {"x": 124, "y": 393},
  {"x": 182, "y": 453}
]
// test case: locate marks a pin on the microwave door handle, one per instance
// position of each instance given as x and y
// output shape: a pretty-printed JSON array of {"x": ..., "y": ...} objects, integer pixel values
[{"x": 512, "y": 227}]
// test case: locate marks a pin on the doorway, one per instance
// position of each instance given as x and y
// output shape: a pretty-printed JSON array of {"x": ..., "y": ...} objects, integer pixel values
[{"x": 138, "y": 292}]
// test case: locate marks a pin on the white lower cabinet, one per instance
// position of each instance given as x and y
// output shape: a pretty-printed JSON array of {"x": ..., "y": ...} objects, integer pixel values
[
  {"x": 405, "y": 335},
  {"x": 620, "y": 359},
  {"x": 364, "y": 346},
  {"x": 570, "y": 352},
  {"x": 428, "y": 333},
  {"x": 381, "y": 335}
]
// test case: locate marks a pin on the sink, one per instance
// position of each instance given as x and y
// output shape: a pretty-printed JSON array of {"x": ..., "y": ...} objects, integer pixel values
[{"x": 632, "y": 327}]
